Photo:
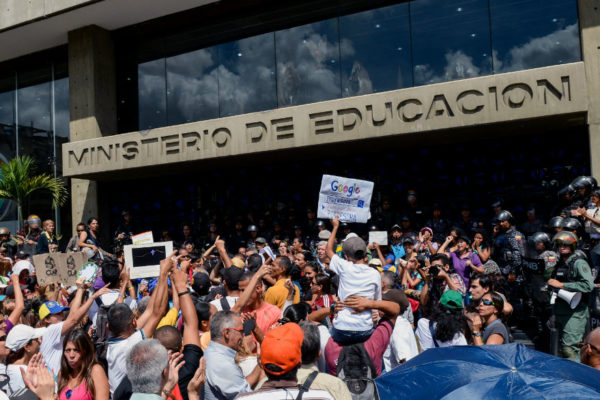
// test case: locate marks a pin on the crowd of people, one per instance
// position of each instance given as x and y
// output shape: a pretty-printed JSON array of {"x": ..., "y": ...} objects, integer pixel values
[{"x": 316, "y": 310}]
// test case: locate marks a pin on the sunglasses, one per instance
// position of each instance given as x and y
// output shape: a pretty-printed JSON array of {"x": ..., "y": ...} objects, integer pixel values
[
  {"x": 69, "y": 394},
  {"x": 80, "y": 230},
  {"x": 487, "y": 302}
]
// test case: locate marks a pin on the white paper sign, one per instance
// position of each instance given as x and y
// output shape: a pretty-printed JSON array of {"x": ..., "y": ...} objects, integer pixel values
[
  {"x": 143, "y": 260},
  {"x": 379, "y": 237},
  {"x": 141, "y": 238},
  {"x": 349, "y": 198}
]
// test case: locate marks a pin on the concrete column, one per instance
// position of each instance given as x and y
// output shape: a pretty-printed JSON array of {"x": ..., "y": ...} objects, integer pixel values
[
  {"x": 589, "y": 27},
  {"x": 92, "y": 98}
]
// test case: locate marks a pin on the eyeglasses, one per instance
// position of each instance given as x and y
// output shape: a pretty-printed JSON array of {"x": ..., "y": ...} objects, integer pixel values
[
  {"x": 80, "y": 230},
  {"x": 487, "y": 302},
  {"x": 240, "y": 330}
]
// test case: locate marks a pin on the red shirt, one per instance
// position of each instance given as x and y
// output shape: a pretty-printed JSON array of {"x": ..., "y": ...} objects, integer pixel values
[{"x": 375, "y": 347}]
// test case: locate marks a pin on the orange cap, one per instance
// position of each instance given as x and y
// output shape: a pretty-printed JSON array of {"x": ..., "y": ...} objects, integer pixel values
[{"x": 280, "y": 351}]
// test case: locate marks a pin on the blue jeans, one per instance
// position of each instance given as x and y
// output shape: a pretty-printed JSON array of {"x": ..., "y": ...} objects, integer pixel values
[{"x": 346, "y": 338}]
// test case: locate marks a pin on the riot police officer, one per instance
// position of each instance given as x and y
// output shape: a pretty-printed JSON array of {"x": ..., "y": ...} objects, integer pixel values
[
  {"x": 572, "y": 273},
  {"x": 511, "y": 245},
  {"x": 9, "y": 244},
  {"x": 584, "y": 186},
  {"x": 555, "y": 224}
]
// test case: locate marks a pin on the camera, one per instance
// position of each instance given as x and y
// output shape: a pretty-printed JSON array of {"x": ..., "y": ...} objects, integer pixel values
[{"x": 434, "y": 270}]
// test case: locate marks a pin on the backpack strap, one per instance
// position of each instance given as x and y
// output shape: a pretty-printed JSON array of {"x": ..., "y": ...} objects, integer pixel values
[
  {"x": 306, "y": 385},
  {"x": 433, "y": 333},
  {"x": 225, "y": 304}
]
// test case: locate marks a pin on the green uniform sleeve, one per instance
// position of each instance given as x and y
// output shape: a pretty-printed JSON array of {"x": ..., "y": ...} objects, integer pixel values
[{"x": 583, "y": 281}]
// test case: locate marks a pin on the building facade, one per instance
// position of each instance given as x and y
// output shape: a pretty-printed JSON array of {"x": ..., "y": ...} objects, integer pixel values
[{"x": 196, "y": 109}]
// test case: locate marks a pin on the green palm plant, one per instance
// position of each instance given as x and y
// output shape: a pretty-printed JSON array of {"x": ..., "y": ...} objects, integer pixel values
[{"x": 18, "y": 181}]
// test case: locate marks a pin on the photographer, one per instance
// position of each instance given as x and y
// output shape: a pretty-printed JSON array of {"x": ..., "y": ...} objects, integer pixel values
[{"x": 439, "y": 277}]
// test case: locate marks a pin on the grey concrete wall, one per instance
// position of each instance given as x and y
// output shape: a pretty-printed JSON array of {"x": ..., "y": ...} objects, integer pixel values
[
  {"x": 589, "y": 26},
  {"x": 18, "y": 12},
  {"x": 515, "y": 96},
  {"x": 92, "y": 92}
]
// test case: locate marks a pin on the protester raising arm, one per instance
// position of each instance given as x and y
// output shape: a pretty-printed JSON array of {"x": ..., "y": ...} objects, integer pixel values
[
  {"x": 244, "y": 298},
  {"x": 190, "y": 319},
  {"x": 335, "y": 223},
  {"x": 15, "y": 315},
  {"x": 78, "y": 310},
  {"x": 220, "y": 244},
  {"x": 160, "y": 302}
]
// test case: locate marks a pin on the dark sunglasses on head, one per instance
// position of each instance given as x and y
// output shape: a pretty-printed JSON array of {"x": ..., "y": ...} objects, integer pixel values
[
  {"x": 487, "y": 302},
  {"x": 69, "y": 394}
]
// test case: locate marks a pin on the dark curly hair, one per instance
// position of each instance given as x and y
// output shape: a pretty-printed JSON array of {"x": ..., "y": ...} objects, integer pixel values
[{"x": 448, "y": 323}]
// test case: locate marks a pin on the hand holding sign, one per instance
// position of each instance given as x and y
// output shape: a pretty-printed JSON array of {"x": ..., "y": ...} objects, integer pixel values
[{"x": 349, "y": 198}]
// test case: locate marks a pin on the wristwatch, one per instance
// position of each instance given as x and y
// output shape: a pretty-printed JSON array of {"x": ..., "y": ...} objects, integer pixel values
[
  {"x": 184, "y": 293},
  {"x": 478, "y": 334}
]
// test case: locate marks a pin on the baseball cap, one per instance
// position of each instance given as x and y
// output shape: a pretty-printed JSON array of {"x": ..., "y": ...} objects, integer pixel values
[
  {"x": 350, "y": 235},
  {"x": 452, "y": 300},
  {"x": 21, "y": 255},
  {"x": 260, "y": 240},
  {"x": 201, "y": 283},
  {"x": 280, "y": 350},
  {"x": 50, "y": 307},
  {"x": 21, "y": 334},
  {"x": 23, "y": 265},
  {"x": 375, "y": 262},
  {"x": 324, "y": 234},
  {"x": 396, "y": 227},
  {"x": 354, "y": 247}
]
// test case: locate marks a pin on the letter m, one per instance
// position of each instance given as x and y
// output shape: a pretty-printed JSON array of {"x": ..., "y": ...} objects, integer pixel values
[{"x": 547, "y": 90}]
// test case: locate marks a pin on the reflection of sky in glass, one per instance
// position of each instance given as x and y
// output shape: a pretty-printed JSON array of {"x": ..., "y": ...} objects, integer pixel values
[
  {"x": 308, "y": 67},
  {"x": 152, "y": 94},
  {"x": 375, "y": 47},
  {"x": 534, "y": 33},
  {"x": 35, "y": 124},
  {"x": 192, "y": 86},
  {"x": 7, "y": 119},
  {"x": 247, "y": 75},
  {"x": 451, "y": 40},
  {"x": 356, "y": 54},
  {"x": 61, "y": 117}
]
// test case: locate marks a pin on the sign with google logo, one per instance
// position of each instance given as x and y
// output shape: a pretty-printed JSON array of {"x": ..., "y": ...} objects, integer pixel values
[{"x": 349, "y": 198}]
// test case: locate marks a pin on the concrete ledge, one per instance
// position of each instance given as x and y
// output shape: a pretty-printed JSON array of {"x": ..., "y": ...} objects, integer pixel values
[
  {"x": 515, "y": 96},
  {"x": 19, "y": 12}
]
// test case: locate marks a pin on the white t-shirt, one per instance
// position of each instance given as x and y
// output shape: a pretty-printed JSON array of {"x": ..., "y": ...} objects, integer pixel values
[
  {"x": 359, "y": 280},
  {"x": 116, "y": 354},
  {"x": 51, "y": 347},
  {"x": 230, "y": 300},
  {"x": 15, "y": 379},
  {"x": 424, "y": 335},
  {"x": 324, "y": 336},
  {"x": 403, "y": 345}
]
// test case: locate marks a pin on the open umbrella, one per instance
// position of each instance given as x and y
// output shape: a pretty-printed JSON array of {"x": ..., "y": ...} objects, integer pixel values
[{"x": 510, "y": 371}]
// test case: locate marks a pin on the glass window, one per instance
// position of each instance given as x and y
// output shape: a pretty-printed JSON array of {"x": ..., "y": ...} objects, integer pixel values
[
  {"x": 152, "y": 94},
  {"x": 308, "y": 63},
  {"x": 34, "y": 117},
  {"x": 534, "y": 33},
  {"x": 247, "y": 75},
  {"x": 375, "y": 48},
  {"x": 7, "y": 118},
  {"x": 192, "y": 86},
  {"x": 451, "y": 40}
]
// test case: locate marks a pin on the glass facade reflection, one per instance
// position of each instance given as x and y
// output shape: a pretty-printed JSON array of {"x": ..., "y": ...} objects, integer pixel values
[
  {"x": 412, "y": 43},
  {"x": 34, "y": 120}
]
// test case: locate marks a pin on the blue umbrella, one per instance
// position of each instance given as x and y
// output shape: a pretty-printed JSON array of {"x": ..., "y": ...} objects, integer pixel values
[{"x": 510, "y": 371}]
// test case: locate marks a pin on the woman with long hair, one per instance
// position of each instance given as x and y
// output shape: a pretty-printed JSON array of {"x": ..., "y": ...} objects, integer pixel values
[
  {"x": 490, "y": 310},
  {"x": 446, "y": 326},
  {"x": 81, "y": 377},
  {"x": 23, "y": 342}
]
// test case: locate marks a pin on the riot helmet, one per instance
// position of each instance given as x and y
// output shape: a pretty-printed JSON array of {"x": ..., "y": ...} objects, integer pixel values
[
  {"x": 34, "y": 220},
  {"x": 540, "y": 237},
  {"x": 556, "y": 222},
  {"x": 320, "y": 223},
  {"x": 373, "y": 228},
  {"x": 4, "y": 231},
  {"x": 565, "y": 238},
  {"x": 567, "y": 190},
  {"x": 571, "y": 224},
  {"x": 585, "y": 182},
  {"x": 252, "y": 228},
  {"x": 503, "y": 215}
]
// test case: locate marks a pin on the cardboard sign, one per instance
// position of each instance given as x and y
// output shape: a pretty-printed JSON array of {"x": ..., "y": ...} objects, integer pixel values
[
  {"x": 349, "y": 198},
  {"x": 62, "y": 267},
  {"x": 143, "y": 260},
  {"x": 141, "y": 238},
  {"x": 379, "y": 237}
]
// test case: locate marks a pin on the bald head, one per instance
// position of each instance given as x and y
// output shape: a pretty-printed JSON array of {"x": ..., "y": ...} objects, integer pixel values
[{"x": 590, "y": 351}]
